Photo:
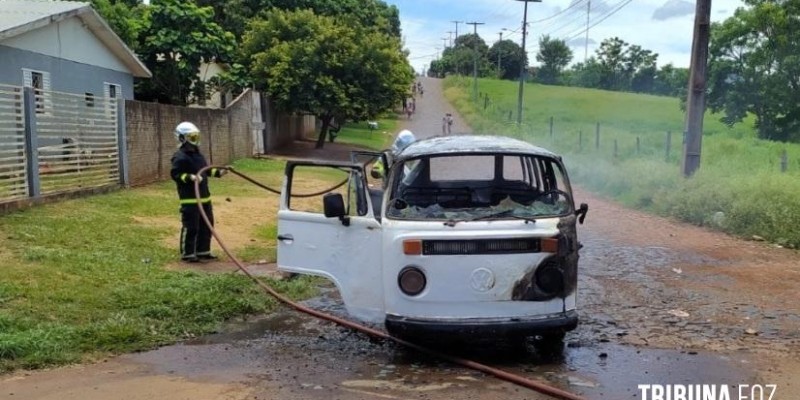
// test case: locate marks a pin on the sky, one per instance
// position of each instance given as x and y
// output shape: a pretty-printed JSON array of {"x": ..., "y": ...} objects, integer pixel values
[{"x": 662, "y": 26}]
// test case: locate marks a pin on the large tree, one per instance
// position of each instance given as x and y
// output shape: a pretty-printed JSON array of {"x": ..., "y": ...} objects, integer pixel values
[
  {"x": 555, "y": 55},
  {"x": 755, "y": 68},
  {"x": 178, "y": 37},
  {"x": 314, "y": 64},
  {"x": 233, "y": 15},
  {"x": 509, "y": 55},
  {"x": 124, "y": 18}
]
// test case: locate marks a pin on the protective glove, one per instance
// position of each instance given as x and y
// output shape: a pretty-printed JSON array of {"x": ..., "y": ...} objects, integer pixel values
[{"x": 195, "y": 178}]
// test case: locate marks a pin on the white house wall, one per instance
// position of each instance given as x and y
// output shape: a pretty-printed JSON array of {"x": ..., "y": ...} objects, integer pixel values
[{"x": 69, "y": 40}]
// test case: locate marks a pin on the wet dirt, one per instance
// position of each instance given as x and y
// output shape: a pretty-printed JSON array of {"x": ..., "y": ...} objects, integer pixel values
[{"x": 659, "y": 302}]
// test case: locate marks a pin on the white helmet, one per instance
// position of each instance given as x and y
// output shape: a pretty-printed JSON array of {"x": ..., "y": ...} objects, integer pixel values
[
  {"x": 404, "y": 138},
  {"x": 187, "y": 132}
]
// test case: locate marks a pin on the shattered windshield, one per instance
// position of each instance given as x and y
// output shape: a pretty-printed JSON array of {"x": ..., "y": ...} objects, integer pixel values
[{"x": 479, "y": 187}]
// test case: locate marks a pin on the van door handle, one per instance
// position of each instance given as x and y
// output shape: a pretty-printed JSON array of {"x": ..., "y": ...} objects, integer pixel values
[{"x": 287, "y": 237}]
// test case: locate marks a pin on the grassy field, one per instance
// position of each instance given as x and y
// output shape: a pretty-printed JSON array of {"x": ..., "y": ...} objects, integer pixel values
[
  {"x": 96, "y": 276},
  {"x": 359, "y": 134},
  {"x": 740, "y": 176}
]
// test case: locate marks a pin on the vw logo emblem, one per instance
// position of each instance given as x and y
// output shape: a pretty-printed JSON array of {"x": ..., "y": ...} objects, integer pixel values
[{"x": 482, "y": 279}]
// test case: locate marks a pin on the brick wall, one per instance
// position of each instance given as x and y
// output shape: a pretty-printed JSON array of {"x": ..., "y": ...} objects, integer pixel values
[{"x": 227, "y": 134}]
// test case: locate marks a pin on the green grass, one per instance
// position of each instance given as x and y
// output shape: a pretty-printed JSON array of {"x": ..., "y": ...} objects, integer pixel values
[
  {"x": 84, "y": 278},
  {"x": 739, "y": 176},
  {"x": 359, "y": 133}
]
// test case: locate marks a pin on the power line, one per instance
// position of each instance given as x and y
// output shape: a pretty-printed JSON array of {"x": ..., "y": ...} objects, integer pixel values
[
  {"x": 573, "y": 5},
  {"x": 620, "y": 6}
]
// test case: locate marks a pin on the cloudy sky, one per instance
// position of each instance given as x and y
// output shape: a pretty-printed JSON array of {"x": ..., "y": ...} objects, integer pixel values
[{"x": 663, "y": 26}]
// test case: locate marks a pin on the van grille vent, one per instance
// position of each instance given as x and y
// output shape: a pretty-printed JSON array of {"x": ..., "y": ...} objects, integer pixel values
[{"x": 481, "y": 246}]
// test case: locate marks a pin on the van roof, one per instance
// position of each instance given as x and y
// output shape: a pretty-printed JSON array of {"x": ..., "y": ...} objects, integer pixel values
[{"x": 467, "y": 144}]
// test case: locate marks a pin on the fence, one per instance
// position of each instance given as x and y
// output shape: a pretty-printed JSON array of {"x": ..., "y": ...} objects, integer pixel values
[
  {"x": 13, "y": 171},
  {"x": 598, "y": 138},
  {"x": 54, "y": 144}
]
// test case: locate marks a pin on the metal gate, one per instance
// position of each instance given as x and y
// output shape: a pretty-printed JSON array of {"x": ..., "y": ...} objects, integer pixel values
[
  {"x": 77, "y": 141},
  {"x": 13, "y": 172}
]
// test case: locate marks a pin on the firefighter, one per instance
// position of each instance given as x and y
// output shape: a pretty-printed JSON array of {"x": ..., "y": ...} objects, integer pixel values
[
  {"x": 186, "y": 163},
  {"x": 403, "y": 139}
]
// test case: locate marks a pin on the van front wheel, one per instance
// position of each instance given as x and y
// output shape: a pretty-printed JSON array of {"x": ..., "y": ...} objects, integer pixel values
[{"x": 550, "y": 341}]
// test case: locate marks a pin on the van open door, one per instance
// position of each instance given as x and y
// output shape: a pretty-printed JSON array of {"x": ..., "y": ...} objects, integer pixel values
[{"x": 335, "y": 234}]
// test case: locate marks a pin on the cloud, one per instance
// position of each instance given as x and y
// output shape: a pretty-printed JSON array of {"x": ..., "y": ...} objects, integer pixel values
[{"x": 673, "y": 9}]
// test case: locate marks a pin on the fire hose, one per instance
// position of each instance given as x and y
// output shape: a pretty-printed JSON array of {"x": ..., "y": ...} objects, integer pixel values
[{"x": 500, "y": 374}]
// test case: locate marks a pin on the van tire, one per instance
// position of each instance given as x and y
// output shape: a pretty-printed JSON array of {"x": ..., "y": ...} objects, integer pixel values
[{"x": 550, "y": 342}]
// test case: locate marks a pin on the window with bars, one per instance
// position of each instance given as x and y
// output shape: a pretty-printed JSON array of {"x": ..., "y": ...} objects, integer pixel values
[{"x": 40, "y": 81}]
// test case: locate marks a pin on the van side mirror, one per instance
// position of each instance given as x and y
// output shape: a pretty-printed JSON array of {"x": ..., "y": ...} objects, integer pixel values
[
  {"x": 333, "y": 205},
  {"x": 581, "y": 212}
]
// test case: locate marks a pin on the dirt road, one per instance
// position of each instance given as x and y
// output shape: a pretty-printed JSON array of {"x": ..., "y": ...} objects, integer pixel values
[{"x": 659, "y": 302}]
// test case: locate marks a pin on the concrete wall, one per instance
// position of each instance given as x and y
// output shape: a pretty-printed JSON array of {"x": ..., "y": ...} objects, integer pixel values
[
  {"x": 236, "y": 132},
  {"x": 281, "y": 129},
  {"x": 65, "y": 76}
]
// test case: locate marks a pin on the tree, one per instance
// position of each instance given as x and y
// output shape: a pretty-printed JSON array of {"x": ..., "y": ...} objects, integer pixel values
[
  {"x": 460, "y": 58},
  {"x": 510, "y": 56},
  {"x": 313, "y": 64},
  {"x": 611, "y": 57},
  {"x": 671, "y": 81},
  {"x": 640, "y": 69},
  {"x": 554, "y": 54},
  {"x": 233, "y": 15},
  {"x": 178, "y": 37},
  {"x": 126, "y": 20},
  {"x": 754, "y": 68}
]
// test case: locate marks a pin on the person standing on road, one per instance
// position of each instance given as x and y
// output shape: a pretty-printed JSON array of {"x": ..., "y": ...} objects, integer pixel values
[
  {"x": 447, "y": 123},
  {"x": 195, "y": 242}
]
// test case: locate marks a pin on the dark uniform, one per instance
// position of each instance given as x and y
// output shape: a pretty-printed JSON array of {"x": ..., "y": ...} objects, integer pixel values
[{"x": 195, "y": 234}]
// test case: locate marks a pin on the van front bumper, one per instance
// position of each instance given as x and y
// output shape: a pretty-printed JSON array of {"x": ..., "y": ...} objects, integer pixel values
[{"x": 483, "y": 327}]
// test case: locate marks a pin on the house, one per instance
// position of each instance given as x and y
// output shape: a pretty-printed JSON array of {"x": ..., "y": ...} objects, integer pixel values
[
  {"x": 216, "y": 97},
  {"x": 64, "y": 46}
]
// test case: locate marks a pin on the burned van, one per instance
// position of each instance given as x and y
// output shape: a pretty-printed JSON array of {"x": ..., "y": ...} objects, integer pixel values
[{"x": 461, "y": 235}]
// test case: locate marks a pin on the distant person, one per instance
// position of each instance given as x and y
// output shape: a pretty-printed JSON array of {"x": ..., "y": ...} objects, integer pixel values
[
  {"x": 195, "y": 242},
  {"x": 447, "y": 124}
]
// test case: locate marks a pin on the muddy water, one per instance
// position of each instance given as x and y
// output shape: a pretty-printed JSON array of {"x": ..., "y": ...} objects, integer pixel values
[{"x": 300, "y": 357}]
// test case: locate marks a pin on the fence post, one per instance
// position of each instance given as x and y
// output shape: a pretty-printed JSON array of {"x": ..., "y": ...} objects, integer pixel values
[
  {"x": 784, "y": 161},
  {"x": 580, "y": 141},
  {"x": 597, "y": 136},
  {"x": 122, "y": 142},
  {"x": 669, "y": 144},
  {"x": 615, "y": 148},
  {"x": 551, "y": 127},
  {"x": 485, "y": 102},
  {"x": 637, "y": 146},
  {"x": 510, "y": 114},
  {"x": 31, "y": 143}
]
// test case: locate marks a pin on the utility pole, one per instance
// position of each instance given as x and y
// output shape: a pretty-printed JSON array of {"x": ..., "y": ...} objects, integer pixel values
[
  {"x": 696, "y": 103},
  {"x": 475, "y": 61},
  {"x": 451, "y": 38},
  {"x": 499, "y": 73},
  {"x": 456, "y": 22},
  {"x": 444, "y": 42},
  {"x": 586, "y": 42},
  {"x": 522, "y": 60}
]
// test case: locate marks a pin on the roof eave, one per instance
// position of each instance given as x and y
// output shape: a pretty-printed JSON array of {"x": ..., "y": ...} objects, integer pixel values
[
  {"x": 40, "y": 23},
  {"x": 103, "y": 31}
]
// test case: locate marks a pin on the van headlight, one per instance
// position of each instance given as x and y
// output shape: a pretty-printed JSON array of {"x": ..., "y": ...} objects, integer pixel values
[
  {"x": 411, "y": 280},
  {"x": 550, "y": 279}
]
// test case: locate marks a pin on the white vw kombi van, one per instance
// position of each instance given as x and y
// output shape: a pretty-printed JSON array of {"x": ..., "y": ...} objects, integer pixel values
[{"x": 464, "y": 236}]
